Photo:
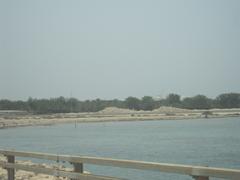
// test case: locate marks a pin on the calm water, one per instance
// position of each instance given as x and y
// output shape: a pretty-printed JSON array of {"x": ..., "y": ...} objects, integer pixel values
[{"x": 211, "y": 142}]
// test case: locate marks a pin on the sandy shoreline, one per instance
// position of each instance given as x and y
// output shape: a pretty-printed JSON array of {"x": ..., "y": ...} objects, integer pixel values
[{"x": 10, "y": 120}]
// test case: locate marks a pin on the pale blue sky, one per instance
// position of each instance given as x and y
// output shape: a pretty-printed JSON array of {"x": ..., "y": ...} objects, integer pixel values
[{"x": 115, "y": 49}]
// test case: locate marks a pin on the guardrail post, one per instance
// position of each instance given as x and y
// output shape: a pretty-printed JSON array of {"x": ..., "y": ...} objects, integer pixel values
[
  {"x": 11, "y": 172},
  {"x": 200, "y": 177},
  {"x": 78, "y": 168}
]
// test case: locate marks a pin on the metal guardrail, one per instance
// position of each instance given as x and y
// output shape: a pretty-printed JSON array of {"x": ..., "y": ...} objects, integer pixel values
[{"x": 197, "y": 172}]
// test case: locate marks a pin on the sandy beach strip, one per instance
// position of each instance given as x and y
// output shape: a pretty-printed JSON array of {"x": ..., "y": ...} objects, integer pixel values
[{"x": 112, "y": 114}]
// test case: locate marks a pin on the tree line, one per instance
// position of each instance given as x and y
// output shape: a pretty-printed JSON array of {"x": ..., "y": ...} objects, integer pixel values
[{"x": 67, "y": 105}]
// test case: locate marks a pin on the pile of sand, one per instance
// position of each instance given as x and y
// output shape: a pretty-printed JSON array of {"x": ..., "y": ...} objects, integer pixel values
[
  {"x": 115, "y": 110},
  {"x": 162, "y": 109},
  {"x": 167, "y": 109}
]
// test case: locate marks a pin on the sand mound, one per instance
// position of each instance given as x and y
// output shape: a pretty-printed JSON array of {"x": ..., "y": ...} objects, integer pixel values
[
  {"x": 167, "y": 109},
  {"x": 162, "y": 109},
  {"x": 115, "y": 110}
]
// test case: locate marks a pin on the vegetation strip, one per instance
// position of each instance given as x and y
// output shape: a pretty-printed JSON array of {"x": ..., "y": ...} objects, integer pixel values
[{"x": 147, "y": 103}]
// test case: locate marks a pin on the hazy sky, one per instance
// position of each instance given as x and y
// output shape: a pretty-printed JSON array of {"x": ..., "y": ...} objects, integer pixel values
[{"x": 115, "y": 49}]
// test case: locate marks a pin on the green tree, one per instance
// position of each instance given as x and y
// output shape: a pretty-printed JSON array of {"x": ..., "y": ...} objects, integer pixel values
[
  {"x": 196, "y": 102},
  {"x": 173, "y": 100},
  {"x": 147, "y": 103},
  {"x": 228, "y": 100},
  {"x": 133, "y": 103}
]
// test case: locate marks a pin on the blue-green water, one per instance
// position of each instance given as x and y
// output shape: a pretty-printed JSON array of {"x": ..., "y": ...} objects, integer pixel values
[{"x": 206, "y": 142}]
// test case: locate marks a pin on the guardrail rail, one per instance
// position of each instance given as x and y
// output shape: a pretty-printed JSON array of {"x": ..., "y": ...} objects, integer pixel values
[{"x": 197, "y": 172}]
